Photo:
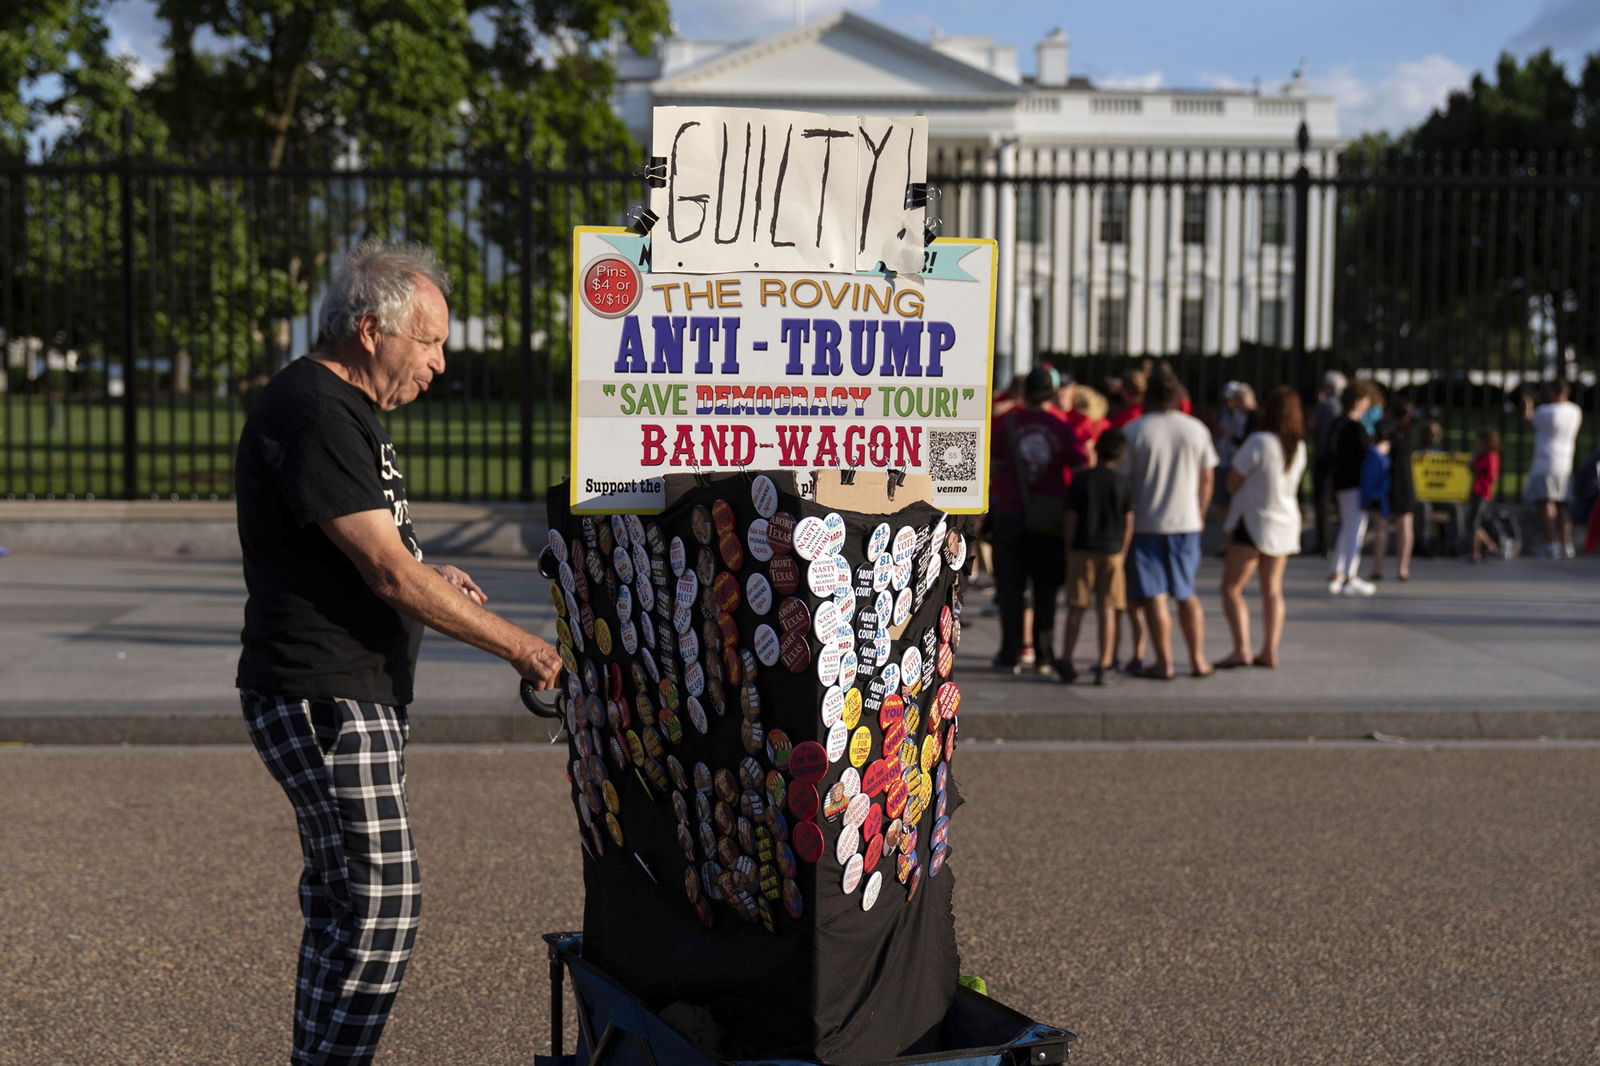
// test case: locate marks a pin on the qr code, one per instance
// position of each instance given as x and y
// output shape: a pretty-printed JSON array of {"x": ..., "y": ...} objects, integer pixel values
[{"x": 954, "y": 454}]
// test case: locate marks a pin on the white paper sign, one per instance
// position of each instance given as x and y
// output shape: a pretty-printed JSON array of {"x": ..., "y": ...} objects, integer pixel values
[{"x": 757, "y": 189}]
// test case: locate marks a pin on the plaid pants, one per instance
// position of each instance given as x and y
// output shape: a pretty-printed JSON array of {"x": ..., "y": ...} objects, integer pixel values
[{"x": 342, "y": 764}]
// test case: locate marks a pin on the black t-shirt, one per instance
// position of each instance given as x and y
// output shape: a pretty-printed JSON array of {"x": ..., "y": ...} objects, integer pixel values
[
  {"x": 1101, "y": 498},
  {"x": 1349, "y": 441},
  {"x": 311, "y": 449}
]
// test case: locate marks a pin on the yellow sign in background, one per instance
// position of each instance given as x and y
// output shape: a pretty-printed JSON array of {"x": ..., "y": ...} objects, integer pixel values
[{"x": 1442, "y": 477}]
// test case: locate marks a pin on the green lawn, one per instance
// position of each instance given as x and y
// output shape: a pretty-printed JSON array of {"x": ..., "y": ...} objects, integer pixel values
[{"x": 73, "y": 448}]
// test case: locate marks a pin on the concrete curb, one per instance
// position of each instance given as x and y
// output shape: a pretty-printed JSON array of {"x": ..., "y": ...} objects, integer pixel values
[{"x": 206, "y": 528}]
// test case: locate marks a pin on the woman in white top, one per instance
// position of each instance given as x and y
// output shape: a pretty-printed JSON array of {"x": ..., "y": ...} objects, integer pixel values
[
  {"x": 1555, "y": 425},
  {"x": 1263, "y": 524}
]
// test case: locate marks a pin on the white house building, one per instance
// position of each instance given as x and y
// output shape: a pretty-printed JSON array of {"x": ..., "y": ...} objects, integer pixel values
[{"x": 1148, "y": 222}]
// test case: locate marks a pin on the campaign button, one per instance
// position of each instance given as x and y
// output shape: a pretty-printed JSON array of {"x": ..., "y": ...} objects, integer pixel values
[
  {"x": 614, "y": 828},
  {"x": 848, "y": 844},
  {"x": 930, "y": 752},
  {"x": 725, "y": 590},
  {"x": 915, "y": 806},
  {"x": 835, "y": 803},
  {"x": 941, "y": 777},
  {"x": 755, "y": 538},
  {"x": 700, "y": 524},
  {"x": 770, "y": 882},
  {"x": 849, "y": 667},
  {"x": 777, "y": 788},
  {"x": 807, "y": 838},
  {"x": 732, "y": 671},
  {"x": 727, "y": 785},
  {"x": 872, "y": 849},
  {"x": 792, "y": 904},
  {"x": 855, "y": 814},
  {"x": 753, "y": 733},
  {"x": 890, "y": 676},
  {"x": 904, "y": 864},
  {"x": 910, "y": 664},
  {"x": 860, "y": 746},
  {"x": 635, "y": 747},
  {"x": 872, "y": 824},
  {"x": 647, "y": 629},
  {"x": 619, "y": 531},
  {"x": 702, "y": 777},
  {"x": 558, "y": 545},
  {"x": 828, "y": 663},
  {"x": 810, "y": 538},
  {"x": 767, "y": 644},
  {"x": 937, "y": 859},
  {"x": 622, "y": 562},
  {"x": 779, "y": 748},
  {"x": 833, "y": 702},
  {"x": 764, "y": 494},
  {"x": 946, "y": 622},
  {"x": 793, "y": 616},
  {"x": 750, "y": 700},
  {"x": 785, "y": 575},
  {"x": 947, "y": 701},
  {"x": 852, "y": 874},
  {"x": 851, "y": 714},
  {"x": 758, "y": 593},
  {"x": 705, "y": 568},
  {"x": 694, "y": 679},
  {"x": 781, "y": 528},
  {"x": 822, "y": 576},
  {"x": 652, "y": 742},
  {"x": 838, "y": 741},
  {"x": 914, "y": 883},
  {"x": 877, "y": 775},
  {"x": 894, "y": 800},
  {"x": 777, "y": 824},
  {"x": 894, "y": 708},
  {"x": 946, "y": 659},
  {"x": 908, "y": 839},
  {"x": 833, "y": 530},
  {"x": 784, "y": 855},
  {"x": 891, "y": 836},
  {"x": 909, "y": 770},
  {"x": 795, "y": 651},
  {"x": 686, "y": 591},
  {"x": 941, "y": 832},
  {"x": 869, "y": 895},
  {"x": 686, "y": 845},
  {"x": 731, "y": 550},
  {"x": 727, "y": 850},
  {"x": 677, "y": 556},
  {"x": 744, "y": 831},
  {"x": 656, "y": 773},
  {"x": 721, "y": 515},
  {"x": 808, "y": 762},
  {"x": 902, "y": 607},
  {"x": 878, "y": 541}
]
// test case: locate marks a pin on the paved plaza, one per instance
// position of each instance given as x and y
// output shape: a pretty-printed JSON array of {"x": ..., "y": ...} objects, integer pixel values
[{"x": 141, "y": 649}]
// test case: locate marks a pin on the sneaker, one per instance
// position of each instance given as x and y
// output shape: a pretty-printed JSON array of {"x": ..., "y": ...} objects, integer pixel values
[
  {"x": 1046, "y": 669},
  {"x": 1335, "y": 585},
  {"x": 1358, "y": 587},
  {"x": 1028, "y": 658},
  {"x": 1106, "y": 675},
  {"x": 1569, "y": 552}
]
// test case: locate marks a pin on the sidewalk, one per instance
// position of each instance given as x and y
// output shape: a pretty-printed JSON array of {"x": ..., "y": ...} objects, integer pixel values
[{"x": 139, "y": 649}]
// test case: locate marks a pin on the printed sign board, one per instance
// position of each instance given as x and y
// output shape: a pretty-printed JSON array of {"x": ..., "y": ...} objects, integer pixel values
[
  {"x": 769, "y": 370},
  {"x": 757, "y": 189},
  {"x": 1442, "y": 477}
]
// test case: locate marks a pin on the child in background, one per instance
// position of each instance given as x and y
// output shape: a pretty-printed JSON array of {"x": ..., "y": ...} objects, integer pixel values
[
  {"x": 1485, "y": 474},
  {"x": 1099, "y": 527}
]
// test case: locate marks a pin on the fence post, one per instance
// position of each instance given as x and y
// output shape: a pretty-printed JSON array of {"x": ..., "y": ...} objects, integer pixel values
[
  {"x": 1302, "y": 253},
  {"x": 130, "y": 407},
  {"x": 525, "y": 310}
]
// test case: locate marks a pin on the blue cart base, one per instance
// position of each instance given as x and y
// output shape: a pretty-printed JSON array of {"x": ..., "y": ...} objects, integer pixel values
[{"x": 616, "y": 1029}]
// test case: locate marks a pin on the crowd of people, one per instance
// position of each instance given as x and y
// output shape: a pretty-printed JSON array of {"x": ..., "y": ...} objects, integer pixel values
[{"x": 1108, "y": 494}]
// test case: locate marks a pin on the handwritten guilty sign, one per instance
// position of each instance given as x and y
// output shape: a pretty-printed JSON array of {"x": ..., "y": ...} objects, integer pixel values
[
  {"x": 777, "y": 370},
  {"x": 756, "y": 189}
]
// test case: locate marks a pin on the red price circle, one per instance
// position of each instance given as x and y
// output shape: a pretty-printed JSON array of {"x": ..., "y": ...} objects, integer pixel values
[{"x": 611, "y": 286}]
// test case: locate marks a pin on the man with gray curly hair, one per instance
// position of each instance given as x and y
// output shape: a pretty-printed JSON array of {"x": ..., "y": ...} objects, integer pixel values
[{"x": 338, "y": 597}]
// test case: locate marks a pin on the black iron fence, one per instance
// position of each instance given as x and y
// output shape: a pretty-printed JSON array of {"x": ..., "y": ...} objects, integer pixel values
[{"x": 142, "y": 301}]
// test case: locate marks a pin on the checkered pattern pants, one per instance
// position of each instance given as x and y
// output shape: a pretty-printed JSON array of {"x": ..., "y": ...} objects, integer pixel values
[{"x": 342, "y": 764}]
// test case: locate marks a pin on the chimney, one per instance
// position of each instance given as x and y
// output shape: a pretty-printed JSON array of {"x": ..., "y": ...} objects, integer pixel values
[{"x": 1052, "y": 54}]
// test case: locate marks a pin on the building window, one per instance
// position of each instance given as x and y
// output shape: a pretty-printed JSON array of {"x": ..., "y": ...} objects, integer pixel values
[
  {"x": 1190, "y": 336},
  {"x": 1030, "y": 213},
  {"x": 1272, "y": 324},
  {"x": 1274, "y": 215},
  {"x": 1114, "y": 215},
  {"x": 1194, "y": 216},
  {"x": 1113, "y": 323}
]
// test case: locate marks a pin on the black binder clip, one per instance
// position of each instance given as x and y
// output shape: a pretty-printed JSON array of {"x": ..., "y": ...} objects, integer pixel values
[
  {"x": 847, "y": 476},
  {"x": 896, "y": 478},
  {"x": 641, "y": 219},
  {"x": 917, "y": 193},
  {"x": 702, "y": 478},
  {"x": 654, "y": 172},
  {"x": 930, "y": 230}
]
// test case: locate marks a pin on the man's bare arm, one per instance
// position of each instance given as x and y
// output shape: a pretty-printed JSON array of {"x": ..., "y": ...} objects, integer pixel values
[{"x": 371, "y": 541}]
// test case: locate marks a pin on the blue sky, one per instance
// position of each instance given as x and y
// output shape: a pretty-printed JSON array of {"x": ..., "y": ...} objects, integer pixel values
[{"x": 1387, "y": 61}]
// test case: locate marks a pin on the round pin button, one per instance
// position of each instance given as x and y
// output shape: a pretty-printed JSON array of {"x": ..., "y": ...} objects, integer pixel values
[
  {"x": 838, "y": 741},
  {"x": 822, "y": 576},
  {"x": 946, "y": 701},
  {"x": 731, "y": 550},
  {"x": 764, "y": 494},
  {"x": 855, "y": 814},
  {"x": 848, "y": 844},
  {"x": 825, "y": 622},
  {"x": 875, "y": 778},
  {"x": 793, "y": 616},
  {"x": 894, "y": 800},
  {"x": 833, "y": 528},
  {"x": 828, "y": 663},
  {"x": 700, "y": 524},
  {"x": 810, "y": 538},
  {"x": 803, "y": 801},
  {"x": 913, "y": 883},
  {"x": 869, "y": 895},
  {"x": 780, "y": 532},
  {"x": 779, "y": 748},
  {"x": 807, "y": 839},
  {"x": 678, "y": 556},
  {"x": 878, "y": 541},
  {"x": 808, "y": 762},
  {"x": 755, "y": 538},
  {"x": 758, "y": 593},
  {"x": 930, "y": 752},
  {"x": 852, "y": 705},
  {"x": 767, "y": 644},
  {"x": 861, "y": 746},
  {"x": 852, "y": 874},
  {"x": 833, "y": 702},
  {"x": 795, "y": 651},
  {"x": 792, "y": 904},
  {"x": 785, "y": 574},
  {"x": 937, "y": 859},
  {"x": 777, "y": 788},
  {"x": 836, "y": 802}
]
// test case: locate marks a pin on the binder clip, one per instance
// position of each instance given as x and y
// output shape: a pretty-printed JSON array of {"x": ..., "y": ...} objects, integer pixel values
[
  {"x": 896, "y": 478},
  {"x": 917, "y": 193},
  {"x": 654, "y": 172},
  {"x": 847, "y": 476},
  {"x": 641, "y": 219},
  {"x": 930, "y": 230}
]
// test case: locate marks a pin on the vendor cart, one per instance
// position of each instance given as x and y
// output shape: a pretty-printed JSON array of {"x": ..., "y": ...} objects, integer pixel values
[{"x": 616, "y": 1029}]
